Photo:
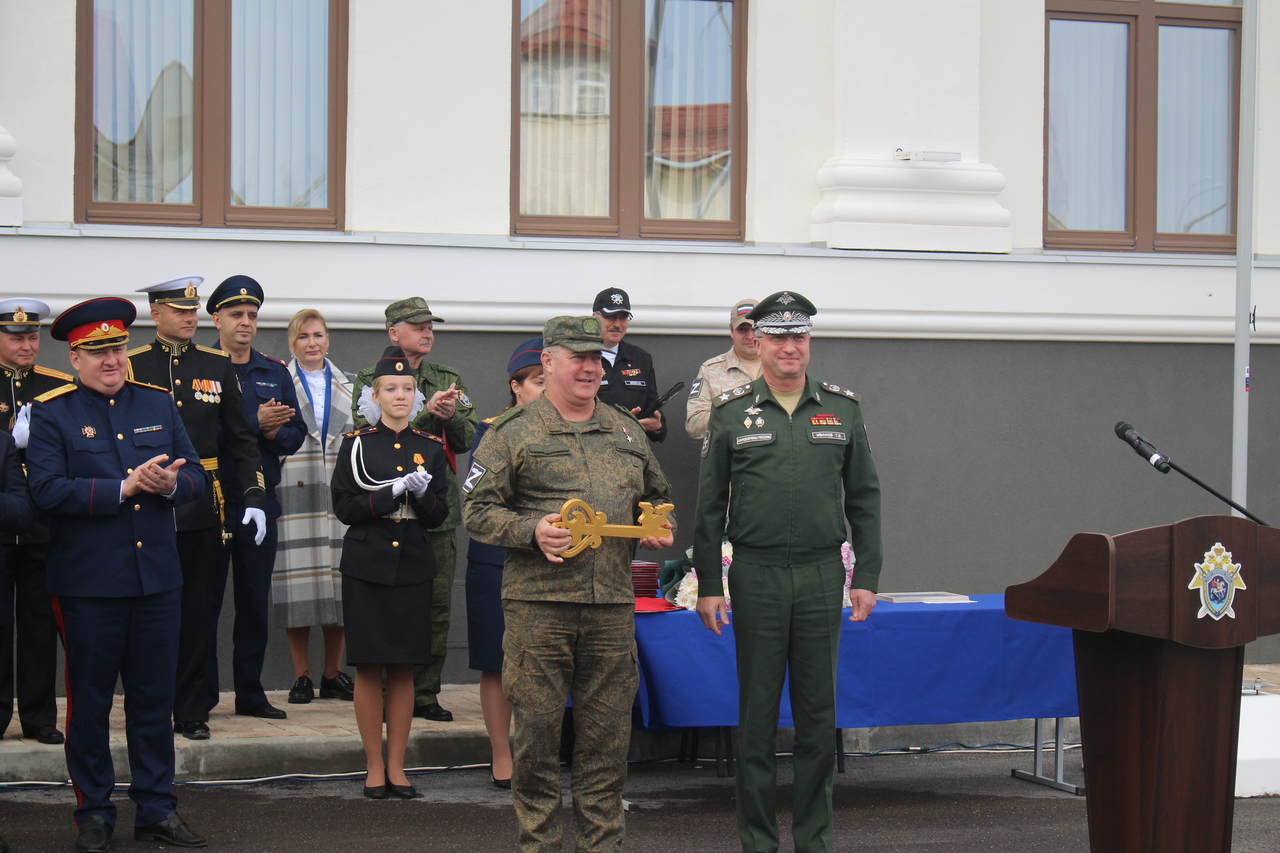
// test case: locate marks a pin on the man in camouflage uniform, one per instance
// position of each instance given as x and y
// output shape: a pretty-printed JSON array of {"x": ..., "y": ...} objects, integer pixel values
[
  {"x": 449, "y": 414},
  {"x": 795, "y": 451},
  {"x": 570, "y": 626},
  {"x": 727, "y": 371}
]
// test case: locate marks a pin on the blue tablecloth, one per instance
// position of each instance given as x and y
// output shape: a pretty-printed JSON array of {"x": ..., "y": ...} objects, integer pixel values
[{"x": 909, "y": 664}]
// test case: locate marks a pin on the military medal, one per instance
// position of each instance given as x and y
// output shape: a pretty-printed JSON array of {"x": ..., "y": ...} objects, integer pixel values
[
  {"x": 824, "y": 420},
  {"x": 418, "y": 460}
]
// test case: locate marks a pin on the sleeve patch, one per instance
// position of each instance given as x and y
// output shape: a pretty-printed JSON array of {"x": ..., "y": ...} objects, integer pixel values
[
  {"x": 697, "y": 387},
  {"x": 474, "y": 476},
  {"x": 706, "y": 442}
]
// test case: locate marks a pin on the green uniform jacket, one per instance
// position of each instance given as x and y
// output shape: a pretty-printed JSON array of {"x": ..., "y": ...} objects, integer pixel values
[
  {"x": 789, "y": 483},
  {"x": 458, "y": 432},
  {"x": 528, "y": 464}
]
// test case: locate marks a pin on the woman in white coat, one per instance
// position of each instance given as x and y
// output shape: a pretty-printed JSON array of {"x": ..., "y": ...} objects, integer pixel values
[{"x": 306, "y": 588}]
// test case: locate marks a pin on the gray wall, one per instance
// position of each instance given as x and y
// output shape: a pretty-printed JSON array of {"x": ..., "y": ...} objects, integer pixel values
[{"x": 991, "y": 454}]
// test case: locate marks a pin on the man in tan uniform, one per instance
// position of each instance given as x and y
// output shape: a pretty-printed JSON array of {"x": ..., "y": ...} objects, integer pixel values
[
  {"x": 737, "y": 367},
  {"x": 570, "y": 625}
]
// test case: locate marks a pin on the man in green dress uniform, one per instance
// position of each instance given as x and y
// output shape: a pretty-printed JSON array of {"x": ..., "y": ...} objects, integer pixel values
[
  {"x": 787, "y": 457},
  {"x": 449, "y": 414}
]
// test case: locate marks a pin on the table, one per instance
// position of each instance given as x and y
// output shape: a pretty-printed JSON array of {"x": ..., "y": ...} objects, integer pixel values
[{"x": 908, "y": 664}]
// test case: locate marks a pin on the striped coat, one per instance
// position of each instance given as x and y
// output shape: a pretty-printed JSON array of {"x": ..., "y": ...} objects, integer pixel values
[{"x": 306, "y": 588}]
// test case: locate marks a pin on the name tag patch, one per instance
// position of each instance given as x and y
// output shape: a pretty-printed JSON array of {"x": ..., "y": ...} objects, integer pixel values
[
  {"x": 830, "y": 434},
  {"x": 753, "y": 438},
  {"x": 639, "y": 383}
]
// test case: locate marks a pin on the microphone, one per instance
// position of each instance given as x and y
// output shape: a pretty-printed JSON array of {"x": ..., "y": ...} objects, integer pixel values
[{"x": 1142, "y": 447}]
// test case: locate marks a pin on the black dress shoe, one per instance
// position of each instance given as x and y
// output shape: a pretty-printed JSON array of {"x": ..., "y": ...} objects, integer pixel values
[
  {"x": 433, "y": 712},
  {"x": 303, "y": 691},
  {"x": 265, "y": 711},
  {"x": 193, "y": 730},
  {"x": 504, "y": 784},
  {"x": 95, "y": 835},
  {"x": 43, "y": 734},
  {"x": 404, "y": 792},
  {"x": 339, "y": 687},
  {"x": 378, "y": 792},
  {"x": 172, "y": 830}
]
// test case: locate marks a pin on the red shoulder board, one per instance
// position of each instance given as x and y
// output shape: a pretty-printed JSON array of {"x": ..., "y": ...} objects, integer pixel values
[
  {"x": 363, "y": 431},
  {"x": 426, "y": 434},
  {"x": 273, "y": 358}
]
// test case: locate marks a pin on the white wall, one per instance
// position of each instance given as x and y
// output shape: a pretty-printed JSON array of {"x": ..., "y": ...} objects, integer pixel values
[{"x": 37, "y": 102}]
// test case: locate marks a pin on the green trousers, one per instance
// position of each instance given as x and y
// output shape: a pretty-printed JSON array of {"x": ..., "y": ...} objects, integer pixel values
[
  {"x": 552, "y": 649},
  {"x": 426, "y": 679},
  {"x": 786, "y": 617}
]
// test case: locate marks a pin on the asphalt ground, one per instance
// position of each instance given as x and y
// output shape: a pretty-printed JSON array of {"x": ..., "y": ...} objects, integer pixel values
[{"x": 940, "y": 801}]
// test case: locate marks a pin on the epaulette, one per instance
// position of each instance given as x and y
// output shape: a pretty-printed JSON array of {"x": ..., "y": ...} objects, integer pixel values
[
  {"x": 273, "y": 358},
  {"x": 836, "y": 389},
  {"x": 426, "y": 434},
  {"x": 732, "y": 394},
  {"x": 626, "y": 411},
  {"x": 56, "y": 374},
  {"x": 56, "y": 392},
  {"x": 489, "y": 420},
  {"x": 509, "y": 415},
  {"x": 362, "y": 431},
  {"x": 139, "y": 350},
  {"x": 212, "y": 350},
  {"x": 147, "y": 385}
]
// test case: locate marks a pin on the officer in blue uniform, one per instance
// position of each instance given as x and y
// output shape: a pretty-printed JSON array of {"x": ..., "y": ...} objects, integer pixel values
[
  {"x": 273, "y": 410},
  {"x": 108, "y": 460}
]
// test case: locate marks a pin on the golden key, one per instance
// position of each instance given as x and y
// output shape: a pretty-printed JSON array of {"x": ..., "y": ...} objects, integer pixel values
[{"x": 589, "y": 527}]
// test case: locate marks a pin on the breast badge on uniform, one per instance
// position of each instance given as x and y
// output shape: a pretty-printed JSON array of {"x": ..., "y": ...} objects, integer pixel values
[
  {"x": 89, "y": 432},
  {"x": 1217, "y": 578},
  {"x": 4, "y": 407},
  {"x": 824, "y": 420}
]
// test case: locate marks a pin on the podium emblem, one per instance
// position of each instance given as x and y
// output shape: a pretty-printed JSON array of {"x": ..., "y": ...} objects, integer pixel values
[{"x": 1217, "y": 578}]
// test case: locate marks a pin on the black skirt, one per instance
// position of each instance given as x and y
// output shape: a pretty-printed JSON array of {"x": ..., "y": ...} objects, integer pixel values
[
  {"x": 387, "y": 624},
  {"x": 485, "y": 622}
]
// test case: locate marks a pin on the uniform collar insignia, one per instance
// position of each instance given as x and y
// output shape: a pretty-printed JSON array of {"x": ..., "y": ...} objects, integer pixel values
[
  {"x": 15, "y": 372},
  {"x": 171, "y": 347}
]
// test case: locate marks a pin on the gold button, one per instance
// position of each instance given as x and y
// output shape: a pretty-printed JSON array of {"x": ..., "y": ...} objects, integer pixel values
[
  {"x": 396, "y": 445},
  {"x": 179, "y": 404},
  {"x": 120, "y": 436},
  {"x": 17, "y": 385},
  {"x": 177, "y": 382},
  {"x": 175, "y": 361},
  {"x": 137, "y": 507},
  {"x": 130, "y": 470},
  {"x": 111, "y": 402},
  {"x": 393, "y": 544},
  {"x": 139, "y": 544},
  {"x": 399, "y": 467}
]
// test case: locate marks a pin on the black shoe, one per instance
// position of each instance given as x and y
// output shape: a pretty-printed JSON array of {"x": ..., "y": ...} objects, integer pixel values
[
  {"x": 504, "y": 784},
  {"x": 433, "y": 712},
  {"x": 95, "y": 835},
  {"x": 43, "y": 734},
  {"x": 172, "y": 830},
  {"x": 193, "y": 730},
  {"x": 303, "y": 691},
  {"x": 265, "y": 711},
  {"x": 378, "y": 792},
  {"x": 404, "y": 792},
  {"x": 339, "y": 687}
]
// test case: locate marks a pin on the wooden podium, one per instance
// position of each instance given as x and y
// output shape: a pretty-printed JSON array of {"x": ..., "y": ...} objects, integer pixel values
[{"x": 1160, "y": 619}]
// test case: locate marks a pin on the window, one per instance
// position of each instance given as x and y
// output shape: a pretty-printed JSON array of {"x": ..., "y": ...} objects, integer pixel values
[
  {"x": 629, "y": 118},
  {"x": 1141, "y": 120},
  {"x": 211, "y": 113}
]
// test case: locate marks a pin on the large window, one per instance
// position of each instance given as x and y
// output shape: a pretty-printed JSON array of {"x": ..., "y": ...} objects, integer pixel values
[
  {"x": 628, "y": 118},
  {"x": 1141, "y": 118},
  {"x": 211, "y": 112}
]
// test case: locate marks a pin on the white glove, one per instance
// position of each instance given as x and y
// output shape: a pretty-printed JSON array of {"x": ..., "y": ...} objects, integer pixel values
[
  {"x": 259, "y": 518},
  {"x": 417, "y": 482},
  {"x": 22, "y": 426},
  {"x": 397, "y": 487}
]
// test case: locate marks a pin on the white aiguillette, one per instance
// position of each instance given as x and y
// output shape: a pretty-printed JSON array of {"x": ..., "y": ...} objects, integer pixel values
[{"x": 924, "y": 598}]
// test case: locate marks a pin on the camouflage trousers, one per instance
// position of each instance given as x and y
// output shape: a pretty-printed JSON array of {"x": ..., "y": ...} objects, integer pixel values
[
  {"x": 426, "y": 679},
  {"x": 553, "y": 649}
]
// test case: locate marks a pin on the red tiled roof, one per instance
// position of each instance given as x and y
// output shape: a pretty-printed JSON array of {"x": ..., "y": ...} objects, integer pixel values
[
  {"x": 561, "y": 23},
  {"x": 691, "y": 132}
]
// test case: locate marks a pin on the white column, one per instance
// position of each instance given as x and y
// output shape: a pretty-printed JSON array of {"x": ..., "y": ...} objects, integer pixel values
[
  {"x": 908, "y": 79},
  {"x": 10, "y": 186}
]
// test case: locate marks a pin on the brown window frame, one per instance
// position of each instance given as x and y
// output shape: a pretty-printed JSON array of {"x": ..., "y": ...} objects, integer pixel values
[
  {"x": 1144, "y": 18},
  {"x": 626, "y": 218},
  {"x": 211, "y": 203}
]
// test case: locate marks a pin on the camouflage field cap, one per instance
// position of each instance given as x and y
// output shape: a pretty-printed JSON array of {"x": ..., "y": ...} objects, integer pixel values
[
  {"x": 411, "y": 310},
  {"x": 580, "y": 334}
]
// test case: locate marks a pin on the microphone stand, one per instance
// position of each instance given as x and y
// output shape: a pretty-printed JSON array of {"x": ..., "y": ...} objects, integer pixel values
[{"x": 1211, "y": 490}]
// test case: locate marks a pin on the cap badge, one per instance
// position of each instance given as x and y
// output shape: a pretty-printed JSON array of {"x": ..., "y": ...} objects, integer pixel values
[
  {"x": 190, "y": 292},
  {"x": 106, "y": 327},
  {"x": 616, "y": 299},
  {"x": 19, "y": 316},
  {"x": 89, "y": 432},
  {"x": 399, "y": 365},
  {"x": 786, "y": 298},
  {"x": 244, "y": 292}
]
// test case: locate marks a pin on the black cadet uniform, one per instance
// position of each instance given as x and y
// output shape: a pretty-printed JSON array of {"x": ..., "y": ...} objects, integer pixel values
[
  {"x": 25, "y": 556},
  {"x": 205, "y": 389}
]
